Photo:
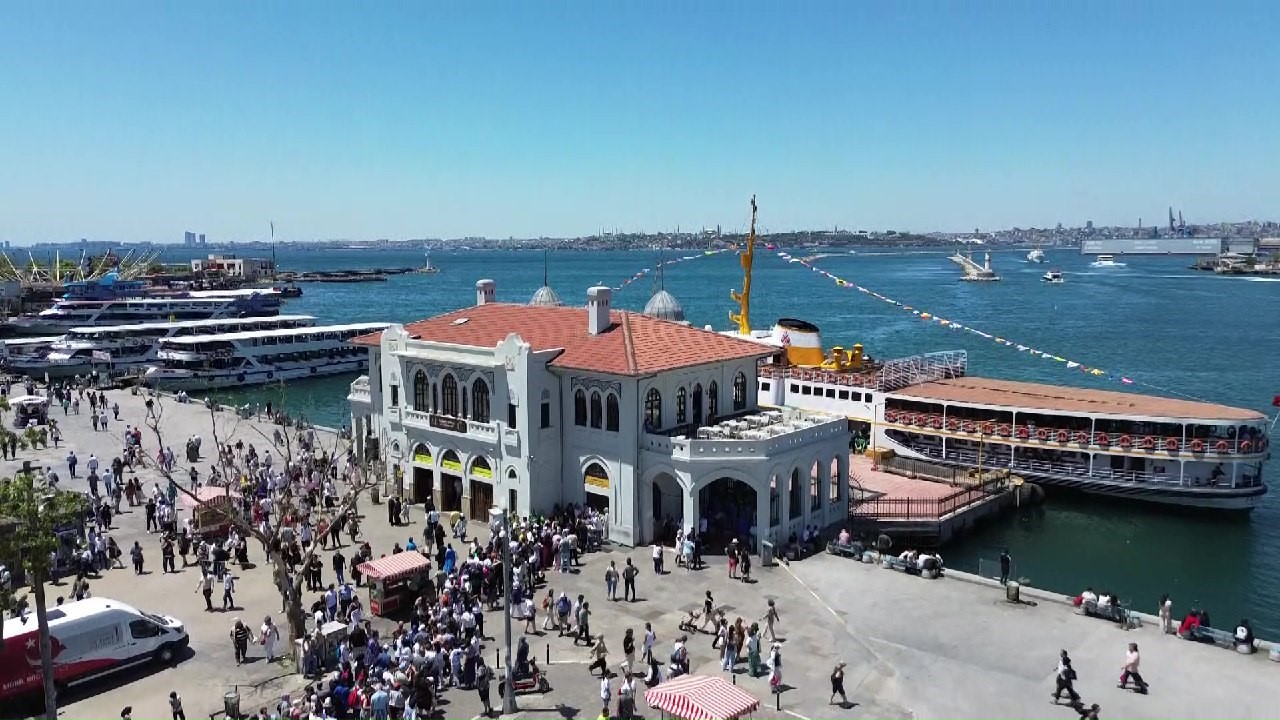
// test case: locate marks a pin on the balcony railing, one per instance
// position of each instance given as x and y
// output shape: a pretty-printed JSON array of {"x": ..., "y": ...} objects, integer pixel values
[
  {"x": 487, "y": 431},
  {"x": 928, "y": 508},
  {"x": 761, "y": 439},
  {"x": 360, "y": 388}
]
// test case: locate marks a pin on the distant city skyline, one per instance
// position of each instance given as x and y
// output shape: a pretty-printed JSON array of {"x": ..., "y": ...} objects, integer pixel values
[{"x": 138, "y": 122}]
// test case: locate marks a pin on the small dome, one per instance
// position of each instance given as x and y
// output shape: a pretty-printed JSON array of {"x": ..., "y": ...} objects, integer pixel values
[
  {"x": 664, "y": 306},
  {"x": 545, "y": 296}
]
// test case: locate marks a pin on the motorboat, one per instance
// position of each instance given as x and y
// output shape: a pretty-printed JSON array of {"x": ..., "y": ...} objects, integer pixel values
[
  {"x": 1035, "y": 256},
  {"x": 1053, "y": 276},
  {"x": 1106, "y": 261}
]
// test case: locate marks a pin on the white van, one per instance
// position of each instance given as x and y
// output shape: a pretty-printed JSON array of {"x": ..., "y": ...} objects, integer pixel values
[{"x": 89, "y": 638}]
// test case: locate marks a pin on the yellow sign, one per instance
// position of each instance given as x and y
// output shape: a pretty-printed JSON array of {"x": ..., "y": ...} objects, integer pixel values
[
  {"x": 453, "y": 465},
  {"x": 481, "y": 471},
  {"x": 423, "y": 457},
  {"x": 597, "y": 481}
]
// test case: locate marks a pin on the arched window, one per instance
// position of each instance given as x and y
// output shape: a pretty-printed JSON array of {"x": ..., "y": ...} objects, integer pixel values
[
  {"x": 580, "y": 408},
  {"x": 435, "y": 397},
  {"x": 449, "y": 395},
  {"x": 697, "y": 404},
  {"x": 739, "y": 392},
  {"x": 480, "y": 466},
  {"x": 420, "y": 385},
  {"x": 793, "y": 504},
  {"x": 597, "y": 411},
  {"x": 480, "y": 400},
  {"x": 611, "y": 412},
  {"x": 682, "y": 407},
  {"x": 653, "y": 410},
  {"x": 464, "y": 402},
  {"x": 815, "y": 488},
  {"x": 713, "y": 401}
]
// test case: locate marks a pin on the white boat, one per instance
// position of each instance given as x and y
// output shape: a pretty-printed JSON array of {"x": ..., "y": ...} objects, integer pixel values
[
  {"x": 18, "y": 349},
  {"x": 1035, "y": 256},
  {"x": 254, "y": 358},
  {"x": 1106, "y": 261},
  {"x": 1053, "y": 276},
  {"x": 210, "y": 305},
  {"x": 122, "y": 347}
]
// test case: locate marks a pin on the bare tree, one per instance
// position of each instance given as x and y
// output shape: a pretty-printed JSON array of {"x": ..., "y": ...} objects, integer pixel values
[{"x": 287, "y": 505}]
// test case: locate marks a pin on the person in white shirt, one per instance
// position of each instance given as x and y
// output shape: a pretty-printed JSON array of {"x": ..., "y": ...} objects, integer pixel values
[{"x": 1088, "y": 596}]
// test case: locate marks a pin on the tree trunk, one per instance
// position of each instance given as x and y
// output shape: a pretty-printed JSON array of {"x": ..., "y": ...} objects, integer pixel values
[{"x": 46, "y": 648}]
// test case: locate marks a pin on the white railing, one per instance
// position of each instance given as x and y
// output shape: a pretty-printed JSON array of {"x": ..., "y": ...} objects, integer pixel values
[
  {"x": 360, "y": 388},
  {"x": 684, "y": 448}
]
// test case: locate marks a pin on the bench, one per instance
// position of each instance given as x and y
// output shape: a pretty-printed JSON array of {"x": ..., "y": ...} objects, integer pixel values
[
  {"x": 1114, "y": 613},
  {"x": 1221, "y": 638},
  {"x": 893, "y": 562},
  {"x": 853, "y": 550}
]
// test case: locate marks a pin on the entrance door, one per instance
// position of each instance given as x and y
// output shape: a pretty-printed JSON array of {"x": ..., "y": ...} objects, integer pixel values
[
  {"x": 511, "y": 500},
  {"x": 450, "y": 493},
  {"x": 481, "y": 500},
  {"x": 423, "y": 485},
  {"x": 598, "y": 502}
]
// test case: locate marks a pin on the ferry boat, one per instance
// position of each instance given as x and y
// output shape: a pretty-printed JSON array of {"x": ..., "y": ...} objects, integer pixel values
[
  {"x": 926, "y": 407},
  {"x": 1053, "y": 276},
  {"x": 254, "y": 358},
  {"x": 14, "y": 350},
  {"x": 197, "y": 305},
  {"x": 1106, "y": 261},
  {"x": 123, "y": 347},
  {"x": 1035, "y": 256}
]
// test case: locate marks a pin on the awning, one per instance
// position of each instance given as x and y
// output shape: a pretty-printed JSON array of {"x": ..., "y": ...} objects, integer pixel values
[
  {"x": 210, "y": 495},
  {"x": 701, "y": 697},
  {"x": 395, "y": 567}
]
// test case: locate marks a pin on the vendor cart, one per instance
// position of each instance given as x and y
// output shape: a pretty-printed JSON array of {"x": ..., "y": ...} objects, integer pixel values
[
  {"x": 210, "y": 510},
  {"x": 29, "y": 410},
  {"x": 395, "y": 580}
]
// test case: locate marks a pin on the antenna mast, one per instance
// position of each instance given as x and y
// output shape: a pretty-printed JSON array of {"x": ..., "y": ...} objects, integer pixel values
[{"x": 743, "y": 316}]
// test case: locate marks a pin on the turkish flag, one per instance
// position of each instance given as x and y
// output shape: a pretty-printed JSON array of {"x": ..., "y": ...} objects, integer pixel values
[{"x": 1276, "y": 401}]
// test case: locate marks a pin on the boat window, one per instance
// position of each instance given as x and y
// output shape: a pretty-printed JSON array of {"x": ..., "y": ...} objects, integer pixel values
[
  {"x": 844, "y": 395},
  {"x": 831, "y": 392},
  {"x": 794, "y": 388},
  {"x": 764, "y": 385},
  {"x": 806, "y": 390}
]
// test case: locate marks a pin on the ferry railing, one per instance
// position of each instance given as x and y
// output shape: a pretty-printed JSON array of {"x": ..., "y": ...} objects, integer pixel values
[
  {"x": 929, "y": 508},
  {"x": 1043, "y": 467}
]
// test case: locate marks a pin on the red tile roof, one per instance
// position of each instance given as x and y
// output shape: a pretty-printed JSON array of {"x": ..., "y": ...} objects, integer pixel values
[{"x": 634, "y": 344}]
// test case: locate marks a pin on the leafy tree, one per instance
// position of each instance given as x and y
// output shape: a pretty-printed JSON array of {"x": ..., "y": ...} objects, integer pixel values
[{"x": 35, "y": 512}]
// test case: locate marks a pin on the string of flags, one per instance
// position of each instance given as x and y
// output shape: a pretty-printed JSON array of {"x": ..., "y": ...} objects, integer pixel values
[
  {"x": 666, "y": 263},
  {"x": 955, "y": 325}
]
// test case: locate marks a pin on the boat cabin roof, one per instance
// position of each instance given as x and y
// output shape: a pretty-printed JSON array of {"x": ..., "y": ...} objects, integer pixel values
[
  {"x": 140, "y": 327},
  {"x": 1055, "y": 398},
  {"x": 249, "y": 335}
]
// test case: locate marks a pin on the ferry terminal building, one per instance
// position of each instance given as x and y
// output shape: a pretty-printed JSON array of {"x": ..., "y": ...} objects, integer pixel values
[{"x": 649, "y": 420}]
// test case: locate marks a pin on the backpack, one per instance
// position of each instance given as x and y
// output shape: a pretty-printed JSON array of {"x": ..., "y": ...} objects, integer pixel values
[{"x": 562, "y": 606}]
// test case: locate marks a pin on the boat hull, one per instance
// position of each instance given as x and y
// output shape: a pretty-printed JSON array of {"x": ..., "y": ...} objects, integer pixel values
[{"x": 252, "y": 376}]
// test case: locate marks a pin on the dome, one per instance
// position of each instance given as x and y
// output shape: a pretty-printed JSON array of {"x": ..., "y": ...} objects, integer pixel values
[
  {"x": 545, "y": 296},
  {"x": 664, "y": 306}
]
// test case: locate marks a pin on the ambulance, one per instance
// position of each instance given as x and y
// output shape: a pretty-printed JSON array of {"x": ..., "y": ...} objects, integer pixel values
[{"x": 88, "y": 638}]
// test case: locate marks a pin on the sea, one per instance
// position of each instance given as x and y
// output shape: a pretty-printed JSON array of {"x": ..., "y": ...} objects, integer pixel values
[{"x": 1168, "y": 329}]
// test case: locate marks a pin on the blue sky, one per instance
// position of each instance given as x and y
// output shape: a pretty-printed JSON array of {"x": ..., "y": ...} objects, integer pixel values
[{"x": 138, "y": 120}]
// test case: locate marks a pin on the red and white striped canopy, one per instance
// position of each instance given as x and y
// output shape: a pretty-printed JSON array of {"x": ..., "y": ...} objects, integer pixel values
[
  {"x": 394, "y": 567},
  {"x": 701, "y": 697}
]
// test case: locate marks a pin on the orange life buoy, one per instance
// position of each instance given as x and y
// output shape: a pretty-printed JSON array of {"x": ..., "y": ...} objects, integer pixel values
[
  {"x": 953, "y": 424},
  {"x": 1221, "y": 446},
  {"x": 1022, "y": 432},
  {"x": 1063, "y": 435},
  {"x": 1082, "y": 437},
  {"x": 1148, "y": 442},
  {"x": 1103, "y": 439},
  {"x": 936, "y": 422},
  {"x": 1125, "y": 441},
  {"x": 1171, "y": 444},
  {"x": 1003, "y": 431},
  {"x": 968, "y": 426},
  {"x": 988, "y": 428},
  {"x": 1042, "y": 434},
  {"x": 1197, "y": 446},
  {"x": 1246, "y": 446},
  {"x": 890, "y": 416}
]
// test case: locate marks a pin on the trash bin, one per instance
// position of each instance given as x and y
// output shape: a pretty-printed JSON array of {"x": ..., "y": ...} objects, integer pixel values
[
  {"x": 766, "y": 554},
  {"x": 1011, "y": 592},
  {"x": 231, "y": 704}
]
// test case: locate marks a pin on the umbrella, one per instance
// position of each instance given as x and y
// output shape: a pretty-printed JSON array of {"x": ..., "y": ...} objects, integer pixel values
[{"x": 701, "y": 697}]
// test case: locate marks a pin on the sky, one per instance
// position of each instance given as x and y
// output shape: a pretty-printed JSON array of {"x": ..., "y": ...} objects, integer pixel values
[{"x": 138, "y": 120}]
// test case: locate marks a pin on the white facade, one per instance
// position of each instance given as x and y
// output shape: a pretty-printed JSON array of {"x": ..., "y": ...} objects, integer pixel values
[
  {"x": 559, "y": 435},
  {"x": 249, "y": 269}
]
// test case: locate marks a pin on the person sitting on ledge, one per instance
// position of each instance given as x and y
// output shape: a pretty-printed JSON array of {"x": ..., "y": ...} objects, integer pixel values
[
  {"x": 1244, "y": 638},
  {"x": 844, "y": 537},
  {"x": 1187, "y": 629},
  {"x": 1088, "y": 596}
]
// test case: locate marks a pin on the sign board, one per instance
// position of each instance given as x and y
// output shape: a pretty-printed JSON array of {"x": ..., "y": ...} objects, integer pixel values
[
  {"x": 479, "y": 470},
  {"x": 422, "y": 456},
  {"x": 444, "y": 422},
  {"x": 597, "y": 482},
  {"x": 102, "y": 356},
  {"x": 453, "y": 465}
]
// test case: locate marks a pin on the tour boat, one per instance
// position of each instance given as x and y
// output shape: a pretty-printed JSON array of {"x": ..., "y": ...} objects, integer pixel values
[
  {"x": 1053, "y": 276},
  {"x": 254, "y": 358},
  {"x": 18, "y": 349},
  {"x": 1106, "y": 261},
  {"x": 122, "y": 347},
  {"x": 1035, "y": 256},
  {"x": 202, "y": 305}
]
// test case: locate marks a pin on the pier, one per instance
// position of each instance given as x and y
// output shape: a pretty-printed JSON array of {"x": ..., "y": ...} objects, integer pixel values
[
  {"x": 972, "y": 270},
  {"x": 343, "y": 276}
]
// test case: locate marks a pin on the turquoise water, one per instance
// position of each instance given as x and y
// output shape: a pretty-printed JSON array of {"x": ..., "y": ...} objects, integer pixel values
[{"x": 1188, "y": 332}]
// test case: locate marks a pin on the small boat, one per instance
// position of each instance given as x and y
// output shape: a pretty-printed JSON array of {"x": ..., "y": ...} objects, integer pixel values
[
  {"x": 1105, "y": 261},
  {"x": 1053, "y": 276},
  {"x": 1035, "y": 256},
  {"x": 428, "y": 269},
  {"x": 291, "y": 290}
]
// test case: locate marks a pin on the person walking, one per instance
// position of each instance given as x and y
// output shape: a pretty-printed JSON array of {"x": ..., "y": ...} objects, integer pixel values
[
  {"x": 599, "y": 653},
  {"x": 270, "y": 635},
  {"x": 175, "y": 706},
  {"x": 837, "y": 685},
  {"x": 1005, "y": 563},
  {"x": 584, "y": 624},
  {"x": 744, "y": 567},
  {"x": 205, "y": 586},
  {"x": 611, "y": 581},
  {"x": 228, "y": 590},
  {"x": 1064, "y": 679},
  {"x": 483, "y": 677},
  {"x": 166, "y": 555},
  {"x": 770, "y": 617},
  {"x": 71, "y": 462},
  {"x": 708, "y": 612},
  {"x": 775, "y": 668},
  {"x": 240, "y": 640},
  {"x": 627, "y": 694},
  {"x": 1130, "y": 670},
  {"x": 753, "y": 651},
  {"x": 650, "y": 639},
  {"x": 629, "y": 574},
  {"x": 629, "y": 648},
  {"x": 657, "y": 558},
  {"x": 136, "y": 554}
]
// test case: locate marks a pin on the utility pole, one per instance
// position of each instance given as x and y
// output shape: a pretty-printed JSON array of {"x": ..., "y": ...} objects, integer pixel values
[{"x": 509, "y": 697}]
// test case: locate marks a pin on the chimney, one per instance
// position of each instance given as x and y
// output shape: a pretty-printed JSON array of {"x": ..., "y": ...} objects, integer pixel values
[
  {"x": 484, "y": 292},
  {"x": 598, "y": 309}
]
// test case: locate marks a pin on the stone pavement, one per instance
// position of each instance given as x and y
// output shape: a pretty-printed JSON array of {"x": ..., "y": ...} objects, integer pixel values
[{"x": 915, "y": 648}]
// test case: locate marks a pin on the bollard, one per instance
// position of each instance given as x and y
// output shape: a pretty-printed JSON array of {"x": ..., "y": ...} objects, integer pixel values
[
  {"x": 548, "y": 653},
  {"x": 497, "y": 657},
  {"x": 735, "y": 678},
  {"x": 777, "y": 696}
]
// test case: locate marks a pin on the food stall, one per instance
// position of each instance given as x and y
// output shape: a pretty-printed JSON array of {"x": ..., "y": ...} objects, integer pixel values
[
  {"x": 210, "y": 507},
  {"x": 395, "y": 580},
  {"x": 28, "y": 409},
  {"x": 701, "y": 697}
]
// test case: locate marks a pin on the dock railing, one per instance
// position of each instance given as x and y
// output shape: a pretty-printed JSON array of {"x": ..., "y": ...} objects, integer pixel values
[{"x": 928, "y": 508}]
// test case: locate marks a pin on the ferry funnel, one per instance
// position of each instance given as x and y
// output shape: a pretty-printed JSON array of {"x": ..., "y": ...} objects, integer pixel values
[{"x": 801, "y": 339}]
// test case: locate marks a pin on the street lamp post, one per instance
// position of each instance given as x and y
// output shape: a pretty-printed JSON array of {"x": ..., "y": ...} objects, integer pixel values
[{"x": 508, "y": 697}]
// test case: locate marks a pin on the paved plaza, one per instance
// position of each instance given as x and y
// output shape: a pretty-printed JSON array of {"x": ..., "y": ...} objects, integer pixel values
[{"x": 914, "y": 648}]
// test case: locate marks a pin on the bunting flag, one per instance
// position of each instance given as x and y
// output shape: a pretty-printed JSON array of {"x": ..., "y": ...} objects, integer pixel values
[
  {"x": 954, "y": 325},
  {"x": 667, "y": 263}
]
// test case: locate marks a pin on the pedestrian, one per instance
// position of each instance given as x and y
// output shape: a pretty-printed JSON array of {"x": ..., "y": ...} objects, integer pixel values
[
  {"x": 228, "y": 590},
  {"x": 1005, "y": 563},
  {"x": 611, "y": 580},
  {"x": 1130, "y": 670},
  {"x": 166, "y": 555},
  {"x": 71, "y": 462},
  {"x": 709, "y": 612},
  {"x": 629, "y": 648},
  {"x": 837, "y": 685},
  {"x": 584, "y": 623},
  {"x": 599, "y": 652},
  {"x": 136, "y": 554},
  {"x": 626, "y": 694},
  {"x": 753, "y": 651},
  {"x": 205, "y": 586},
  {"x": 744, "y": 567},
  {"x": 650, "y": 639},
  {"x": 1166, "y": 614},
  {"x": 606, "y": 694},
  {"x": 770, "y": 617},
  {"x": 269, "y": 636},
  {"x": 240, "y": 640},
  {"x": 775, "y": 668},
  {"x": 115, "y": 409},
  {"x": 1089, "y": 713},
  {"x": 657, "y": 558},
  {"x": 483, "y": 677},
  {"x": 629, "y": 574},
  {"x": 731, "y": 556},
  {"x": 1064, "y": 679},
  {"x": 175, "y": 706}
]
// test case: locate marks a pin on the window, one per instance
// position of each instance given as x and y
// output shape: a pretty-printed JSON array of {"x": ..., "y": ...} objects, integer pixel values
[
  {"x": 773, "y": 501},
  {"x": 806, "y": 390},
  {"x": 713, "y": 401},
  {"x": 546, "y": 410},
  {"x": 793, "y": 504},
  {"x": 831, "y": 392},
  {"x": 511, "y": 415},
  {"x": 464, "y": 402},
  {"x": 844, "y": 394},
  {"x": 435, "y": 398},
  {"x": 764, "y": 385},
  {"x": 815, "y": 488},
  {"x": 449, "y": 396},
  {"x": 697, "y": 404},
  {"x": 597, "y": 413},
  {"x": 420, "y": 385},
  {"x": 740, "y": 392},
  {"x": 395, "y": 396},
  {"x": 833, "y": 487},
  {"x": 653, "y": 410},
  {"x": 480, "y": 401},
  {"x": 580, "y": 408},
  {"x": 794, "y": 388},
  {"x": 143, "y": 629},
  {"x": 611, "y": 413},
  {"x": 682, "y": 411}
]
